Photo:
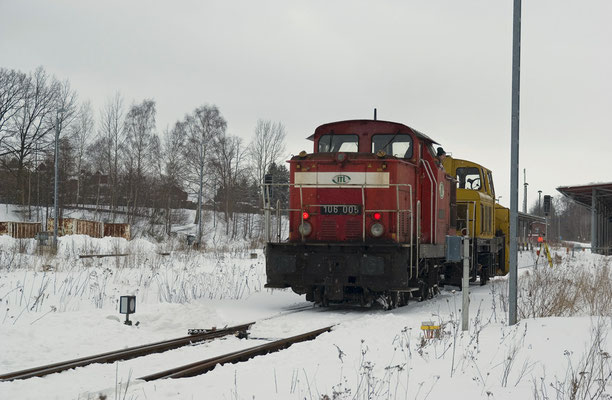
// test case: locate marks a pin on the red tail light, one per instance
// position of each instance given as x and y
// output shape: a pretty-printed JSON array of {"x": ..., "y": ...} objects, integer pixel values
[
  {"x": 377, "y": 216},
  {"x": 305, "y": 215}
]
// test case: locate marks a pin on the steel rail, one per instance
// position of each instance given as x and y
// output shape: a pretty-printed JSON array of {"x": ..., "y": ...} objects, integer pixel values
[
  {"x": 124, "y": 354},
  {"x": 201, "y": 367}
]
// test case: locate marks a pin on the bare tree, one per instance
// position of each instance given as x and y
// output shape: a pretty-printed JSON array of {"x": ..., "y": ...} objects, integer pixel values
[
  {"x": 30, "y": 125},
  {"x": 65, "y": 105},
  {"x": 111, "y": 141},
  {"x": 65, "y": 111},
  {"x": 267, "y": 146},
  {"x": 80, "y": 136},
  {"x": 174, "y": 148},
  {"x": 139, "y": 127},
  {"x": 202, "y": 127},
  {"x": 228, "y": 168},
  {"x": 12, "y": 90},
  {"x": 173, "y": 168}
]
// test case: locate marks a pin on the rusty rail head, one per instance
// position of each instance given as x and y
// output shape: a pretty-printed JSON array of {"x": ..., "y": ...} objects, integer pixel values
[
  {"x": 201, "y": 367},
  {"x": 124, "y": 354}
]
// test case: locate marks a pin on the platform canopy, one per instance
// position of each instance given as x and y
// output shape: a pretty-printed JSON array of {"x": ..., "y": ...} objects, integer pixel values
[
  {"x": 584, "y": 194},
  {"x": 598, "y": 198}
]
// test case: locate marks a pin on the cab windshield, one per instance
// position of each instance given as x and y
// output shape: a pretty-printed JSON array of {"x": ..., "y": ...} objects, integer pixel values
[
  {"x": 338, "y": 143},
  {"x": 468, "y": 178},
  {"x": 397, "y": 145}
]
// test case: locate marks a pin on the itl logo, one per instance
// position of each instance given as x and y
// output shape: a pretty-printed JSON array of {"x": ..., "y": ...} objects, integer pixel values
[{"x": 340, "y": 179}]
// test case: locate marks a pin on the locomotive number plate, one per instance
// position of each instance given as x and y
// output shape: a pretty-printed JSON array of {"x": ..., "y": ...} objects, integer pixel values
[{"x": 341, "y": 209}]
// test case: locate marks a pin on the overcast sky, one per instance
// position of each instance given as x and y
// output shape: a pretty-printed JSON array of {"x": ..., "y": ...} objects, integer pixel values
[{"x": 442, "y": 67}]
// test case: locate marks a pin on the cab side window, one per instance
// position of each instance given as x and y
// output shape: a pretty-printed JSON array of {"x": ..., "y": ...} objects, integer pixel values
[{"x": 490, "y": 175}]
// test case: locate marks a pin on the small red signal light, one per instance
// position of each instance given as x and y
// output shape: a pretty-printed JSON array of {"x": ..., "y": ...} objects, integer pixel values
[
  {"x": 305, "y": 215},
  {"x": 540, "y": 239},
  {"x": 377, "y": 216}
]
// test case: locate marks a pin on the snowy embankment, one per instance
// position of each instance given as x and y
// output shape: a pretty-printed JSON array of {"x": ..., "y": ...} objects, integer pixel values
[{"x": 56, "y": 308}]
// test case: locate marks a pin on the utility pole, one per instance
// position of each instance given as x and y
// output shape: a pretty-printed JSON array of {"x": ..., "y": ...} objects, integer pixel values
[
  {"x": 539, "y": 202},
  {"x": 58, "y": 129},
  {"x": 514, "y": 160},
  {"x": 465, "y": 285},
  {"x": 38, "y": 216},
  {"x": 200, "y": 193},
  {"x": 525, "y": 184}
]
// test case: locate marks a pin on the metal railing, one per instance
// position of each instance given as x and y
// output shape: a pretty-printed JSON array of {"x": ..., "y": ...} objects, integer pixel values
[
  {"x": 268, "y": 209},
  {"x": 433, "y": 188},
  {"x": 470, "y": 232},
  {"x": 266, "y": 194}
]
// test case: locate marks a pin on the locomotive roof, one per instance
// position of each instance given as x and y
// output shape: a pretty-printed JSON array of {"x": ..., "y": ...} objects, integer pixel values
[{"x": 322, "y": 129}]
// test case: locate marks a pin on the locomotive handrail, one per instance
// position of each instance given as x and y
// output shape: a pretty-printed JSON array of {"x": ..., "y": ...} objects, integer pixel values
[
  {"x": 267, "y": 206},
  {"x": 433, "y": 188},
  {"x": 470, "y": 232}
]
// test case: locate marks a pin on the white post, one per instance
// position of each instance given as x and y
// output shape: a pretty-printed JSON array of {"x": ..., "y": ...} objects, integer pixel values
[{"x": 465, "y": 285}]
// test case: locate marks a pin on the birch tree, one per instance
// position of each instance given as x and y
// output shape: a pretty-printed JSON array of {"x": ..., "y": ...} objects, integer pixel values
[
  {"x": 140, "y": 141},
  {"x": 267, "y": 147},
  {"x": 202, "y": 127},
  {"x": 173, "y": 168},
  {"x": 111, "y": 140},
  {"x": 80, "y": 136},
  {"x": 228, "y": 168}
]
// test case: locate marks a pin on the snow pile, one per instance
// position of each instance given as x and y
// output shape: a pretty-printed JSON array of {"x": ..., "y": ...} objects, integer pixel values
[{"x": 72, "y": 246}]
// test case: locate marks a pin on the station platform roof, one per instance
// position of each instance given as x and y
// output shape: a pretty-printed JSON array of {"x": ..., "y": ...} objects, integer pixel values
[{"x": 583, "y": 194}]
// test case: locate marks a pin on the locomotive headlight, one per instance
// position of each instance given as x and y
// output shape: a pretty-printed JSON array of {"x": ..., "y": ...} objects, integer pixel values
[
  {"x": 305, "y": 228},
  {"x": 377, "y": 229}
]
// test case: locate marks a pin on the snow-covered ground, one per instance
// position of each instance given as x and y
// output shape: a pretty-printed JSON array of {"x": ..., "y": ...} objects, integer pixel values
[{"x": 59, "y": 308}]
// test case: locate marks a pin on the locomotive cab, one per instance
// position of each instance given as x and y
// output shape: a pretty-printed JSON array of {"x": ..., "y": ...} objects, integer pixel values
[{"x": 480, "y": 218}]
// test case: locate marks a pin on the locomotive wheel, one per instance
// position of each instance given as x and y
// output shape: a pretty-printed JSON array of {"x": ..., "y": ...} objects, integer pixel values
[
  {"x": 484, "y": 276},
  {"x": 320, "y": 297},
  {"x": 424, "y": 291},
  {"x": 405, "y": 298},
  {"x": 324, "y": 298},
  {"x": 365, "y": 299},
  {"x": 396, "y": 299},
  {"x": 386, "y": 300},
  {"x": 391, "y": 301}
]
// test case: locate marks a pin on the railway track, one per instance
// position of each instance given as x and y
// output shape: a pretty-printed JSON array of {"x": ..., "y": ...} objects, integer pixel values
[
  {"x": 201, "y": 367},
  {"x": 139, "y": 351},
  {"x": 124, "y": 354}
]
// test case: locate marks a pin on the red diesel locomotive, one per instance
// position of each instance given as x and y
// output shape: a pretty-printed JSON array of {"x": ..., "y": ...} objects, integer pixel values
[{"x": 370, "y": 211}]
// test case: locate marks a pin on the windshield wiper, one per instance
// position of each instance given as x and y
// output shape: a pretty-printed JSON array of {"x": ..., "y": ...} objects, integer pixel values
[
  {"x": 329, "y": 146},
  {"x": 390, "y": 141}
]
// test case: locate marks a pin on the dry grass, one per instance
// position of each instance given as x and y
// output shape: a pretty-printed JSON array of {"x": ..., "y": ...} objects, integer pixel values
[
  {"x": 588, "y": 378},
  {"x": 566, "y": 290}
]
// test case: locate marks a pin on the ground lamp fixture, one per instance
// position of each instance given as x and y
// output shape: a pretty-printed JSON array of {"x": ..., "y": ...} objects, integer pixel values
[{"x": 127, "y": 306}]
